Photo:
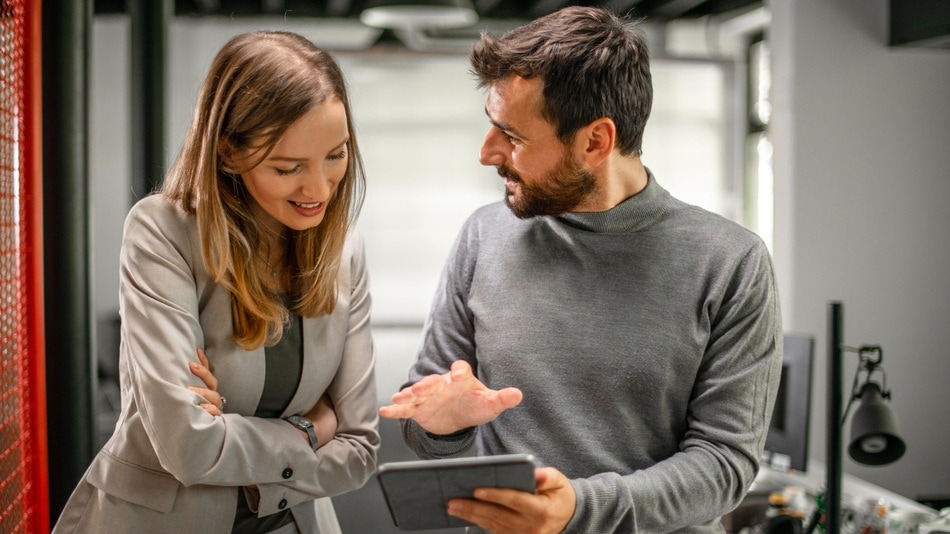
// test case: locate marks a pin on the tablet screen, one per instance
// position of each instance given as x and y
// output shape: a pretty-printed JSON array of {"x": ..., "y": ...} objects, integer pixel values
[{"x": 418, "y": 492}]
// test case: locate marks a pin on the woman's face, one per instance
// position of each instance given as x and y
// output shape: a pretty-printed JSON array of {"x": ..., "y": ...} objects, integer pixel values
[{"x": 292, "y": 187}]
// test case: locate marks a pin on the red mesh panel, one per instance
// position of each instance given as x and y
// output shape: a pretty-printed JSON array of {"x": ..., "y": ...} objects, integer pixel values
[{"x": 24, "y": 501}]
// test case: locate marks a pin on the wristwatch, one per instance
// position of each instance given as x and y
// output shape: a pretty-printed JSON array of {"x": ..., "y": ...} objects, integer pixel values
[{"x": 306, "y": 425}]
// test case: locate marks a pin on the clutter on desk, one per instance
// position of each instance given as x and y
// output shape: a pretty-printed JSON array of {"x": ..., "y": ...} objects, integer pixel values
[
  {"x": 791, "y": 511},
  {"x": 940, "y": 524}
]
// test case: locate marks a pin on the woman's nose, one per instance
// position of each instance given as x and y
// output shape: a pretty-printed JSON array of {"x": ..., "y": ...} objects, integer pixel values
[{"x": 315, "y": 186}]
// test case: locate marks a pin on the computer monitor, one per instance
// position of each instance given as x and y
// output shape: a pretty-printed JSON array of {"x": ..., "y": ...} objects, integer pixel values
[{"x": 786, "y": 446}]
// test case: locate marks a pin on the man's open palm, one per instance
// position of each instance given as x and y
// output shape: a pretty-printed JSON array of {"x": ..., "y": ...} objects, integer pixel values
[{"x": 444, "y": 404}]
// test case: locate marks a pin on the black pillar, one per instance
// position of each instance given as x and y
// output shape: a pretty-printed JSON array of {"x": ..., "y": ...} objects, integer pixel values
[
  {"x": 71, "y": 423},
  {"x": 149, "y": 28},
  {"x": 833, "y": 469}
]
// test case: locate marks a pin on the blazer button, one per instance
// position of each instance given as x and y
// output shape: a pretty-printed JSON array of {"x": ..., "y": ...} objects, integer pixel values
[
  {"x": 287, "y": 473},
  {"x": 282, "y": 504}
]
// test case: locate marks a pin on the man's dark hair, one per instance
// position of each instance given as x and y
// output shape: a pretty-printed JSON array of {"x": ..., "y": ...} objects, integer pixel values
[{"x": 591, "y": 64}]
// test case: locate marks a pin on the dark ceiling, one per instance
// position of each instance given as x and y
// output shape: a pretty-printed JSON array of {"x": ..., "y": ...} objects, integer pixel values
[{"x": 654, "y": 10}]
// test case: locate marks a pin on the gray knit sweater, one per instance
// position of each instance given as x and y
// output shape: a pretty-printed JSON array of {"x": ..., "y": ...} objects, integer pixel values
[{"x": 647, "y": 341}]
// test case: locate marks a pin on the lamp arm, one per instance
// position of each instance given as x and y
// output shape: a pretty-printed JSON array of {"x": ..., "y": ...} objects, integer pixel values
[{"x": 869, "y": 365}]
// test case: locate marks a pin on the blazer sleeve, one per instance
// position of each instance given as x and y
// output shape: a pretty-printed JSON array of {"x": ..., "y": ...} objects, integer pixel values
[{"x": 163, "y": 285}]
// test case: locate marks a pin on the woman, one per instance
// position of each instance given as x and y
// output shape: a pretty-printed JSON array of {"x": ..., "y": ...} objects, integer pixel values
[{"x": 244, "y": 272}]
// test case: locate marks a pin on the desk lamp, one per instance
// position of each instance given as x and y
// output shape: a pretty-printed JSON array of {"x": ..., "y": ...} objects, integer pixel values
[{"x": 875, "y": 437}]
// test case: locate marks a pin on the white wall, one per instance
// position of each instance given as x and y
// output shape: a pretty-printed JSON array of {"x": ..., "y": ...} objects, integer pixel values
[{"x": 863, "y": 171}]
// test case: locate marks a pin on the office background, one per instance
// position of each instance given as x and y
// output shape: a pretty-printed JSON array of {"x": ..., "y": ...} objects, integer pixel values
[{"x": 861, "y": 188}]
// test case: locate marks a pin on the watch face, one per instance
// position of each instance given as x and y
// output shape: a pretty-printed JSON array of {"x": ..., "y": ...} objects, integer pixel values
[
  {"x": 306, "y": 425},
  {"x": 302, "y": 422}
]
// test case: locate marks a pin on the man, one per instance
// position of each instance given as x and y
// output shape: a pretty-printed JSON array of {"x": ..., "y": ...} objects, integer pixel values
[{"x": 629, "y": 341}]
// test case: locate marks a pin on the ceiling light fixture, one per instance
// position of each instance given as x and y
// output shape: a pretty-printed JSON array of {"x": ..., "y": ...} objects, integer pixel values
[{"x": 418, "y": 14}]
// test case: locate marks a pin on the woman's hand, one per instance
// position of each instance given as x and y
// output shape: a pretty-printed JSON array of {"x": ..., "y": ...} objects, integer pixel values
[
  {"x": 324, "y": 419},
  {"x": 216, "y": 402}
]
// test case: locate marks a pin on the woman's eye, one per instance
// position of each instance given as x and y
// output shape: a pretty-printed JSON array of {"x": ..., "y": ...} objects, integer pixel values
[
  {"x": 287, "y": 172},
  {"x": 339, "y": 155}
]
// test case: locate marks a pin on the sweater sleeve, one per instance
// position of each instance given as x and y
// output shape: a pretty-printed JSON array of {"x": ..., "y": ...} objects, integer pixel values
[
  {"x": 729, "y": 413},
  {"x": 448, "y": 335}
]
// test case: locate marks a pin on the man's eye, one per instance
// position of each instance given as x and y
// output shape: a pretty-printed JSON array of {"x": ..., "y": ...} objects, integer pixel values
[{"x": 287, "y": 172}]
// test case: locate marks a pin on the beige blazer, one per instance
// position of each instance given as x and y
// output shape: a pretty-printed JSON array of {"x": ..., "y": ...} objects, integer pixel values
[{"x": 172, "y": 467}]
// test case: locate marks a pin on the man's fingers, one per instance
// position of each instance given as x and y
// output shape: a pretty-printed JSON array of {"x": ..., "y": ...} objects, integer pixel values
[
  {"x": 510, "y": 397},
  {"x": 420, "y": 391},
  {"x": 460, "y": 370},
  {"x": 490, "y": 514},
  {"x": 397, "y": 411}
]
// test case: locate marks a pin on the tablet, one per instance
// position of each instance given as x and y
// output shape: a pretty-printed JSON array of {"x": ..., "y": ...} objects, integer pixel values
[{"x": 418, "y": 492}]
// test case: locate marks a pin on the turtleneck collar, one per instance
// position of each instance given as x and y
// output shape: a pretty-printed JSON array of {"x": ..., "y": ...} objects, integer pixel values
[{"x": 633, "y": 214}]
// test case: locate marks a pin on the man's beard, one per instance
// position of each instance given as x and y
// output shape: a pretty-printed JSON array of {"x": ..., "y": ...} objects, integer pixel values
[{"x": 560, "y": 191}]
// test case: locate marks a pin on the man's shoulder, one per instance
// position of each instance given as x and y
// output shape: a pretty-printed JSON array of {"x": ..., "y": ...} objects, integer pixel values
[
  {"x": 492, "y": 212},
  {"x": 711, "y": 224},
  {"x": 494, "y": 217}
]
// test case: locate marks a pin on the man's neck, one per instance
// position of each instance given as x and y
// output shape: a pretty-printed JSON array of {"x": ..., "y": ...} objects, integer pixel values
[{"x": 619, "y": 178}]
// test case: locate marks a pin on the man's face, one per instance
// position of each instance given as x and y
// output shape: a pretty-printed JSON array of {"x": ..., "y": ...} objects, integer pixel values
[{"x": 541, "y": 176}]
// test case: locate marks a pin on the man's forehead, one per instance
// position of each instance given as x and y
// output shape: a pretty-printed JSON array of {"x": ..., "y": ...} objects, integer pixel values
[{"x": 514, "y": 96}]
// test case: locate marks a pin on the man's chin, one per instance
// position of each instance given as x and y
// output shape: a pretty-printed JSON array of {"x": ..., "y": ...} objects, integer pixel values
[{"x": 518, "y": 209}]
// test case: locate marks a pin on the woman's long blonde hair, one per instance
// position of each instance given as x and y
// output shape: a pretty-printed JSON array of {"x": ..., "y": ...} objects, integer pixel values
[{"x": 259, "y": 84}]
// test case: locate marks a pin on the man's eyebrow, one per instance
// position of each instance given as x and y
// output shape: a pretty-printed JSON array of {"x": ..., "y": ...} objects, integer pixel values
[{"x": 500, "y": 125}]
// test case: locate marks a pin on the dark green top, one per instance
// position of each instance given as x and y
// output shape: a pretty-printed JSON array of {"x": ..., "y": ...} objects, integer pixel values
[{"x": 283, "y": 364}]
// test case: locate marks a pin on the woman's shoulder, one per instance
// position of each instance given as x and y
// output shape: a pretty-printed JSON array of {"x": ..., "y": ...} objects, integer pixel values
[
  {"x": 160, "y": 216},
  {"x": 354, "y": 251},
  {"x": 159, "y": 208},
  {"x": 157, "y": 205}
]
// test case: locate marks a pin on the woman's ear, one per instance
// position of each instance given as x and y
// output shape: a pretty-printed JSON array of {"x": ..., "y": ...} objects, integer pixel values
[
  {"x": 229, "y": 160},
  {"x": 226, "y": 155},
  {"x": 595, "y": 142}
]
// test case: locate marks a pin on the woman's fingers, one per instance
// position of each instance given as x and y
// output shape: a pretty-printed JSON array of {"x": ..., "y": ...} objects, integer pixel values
[
  {"x": 216, "y": 401},
  {"x": 203, "y": 359},
  {"x": 202, "y": 372}
]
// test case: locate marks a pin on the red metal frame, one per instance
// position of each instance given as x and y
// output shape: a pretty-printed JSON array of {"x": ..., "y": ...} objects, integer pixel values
[{"x": 33, "y": 198}]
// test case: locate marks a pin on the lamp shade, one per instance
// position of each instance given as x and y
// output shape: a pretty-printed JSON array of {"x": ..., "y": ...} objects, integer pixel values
[
  {"x": 403, "y": 14},
  {"x": 875, "y": 436}
]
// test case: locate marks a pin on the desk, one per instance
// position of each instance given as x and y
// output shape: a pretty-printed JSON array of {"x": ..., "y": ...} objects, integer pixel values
[{"x": 853, "y": 491}]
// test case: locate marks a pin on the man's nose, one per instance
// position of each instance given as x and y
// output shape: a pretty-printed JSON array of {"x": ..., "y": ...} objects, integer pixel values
[{"x": 491, "y": 154}]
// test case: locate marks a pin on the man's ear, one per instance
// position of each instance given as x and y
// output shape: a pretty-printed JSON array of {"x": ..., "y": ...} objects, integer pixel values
[{"x": 595, "y": 141}]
